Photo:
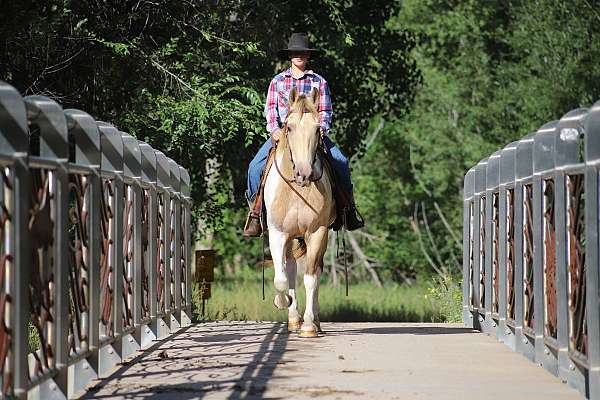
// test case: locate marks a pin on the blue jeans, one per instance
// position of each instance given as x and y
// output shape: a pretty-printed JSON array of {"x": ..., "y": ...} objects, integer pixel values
[{"x": 339, "y": 162}]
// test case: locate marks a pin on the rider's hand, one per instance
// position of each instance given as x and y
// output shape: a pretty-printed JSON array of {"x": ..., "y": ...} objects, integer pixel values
[{"x": 275, "y": 135}]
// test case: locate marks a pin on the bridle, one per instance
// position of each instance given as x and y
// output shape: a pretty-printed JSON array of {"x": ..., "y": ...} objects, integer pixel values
[{"x": 289, "y": 148}]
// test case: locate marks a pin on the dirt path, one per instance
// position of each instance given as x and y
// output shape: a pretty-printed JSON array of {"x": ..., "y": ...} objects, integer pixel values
[{"x": 250, "y": 360}]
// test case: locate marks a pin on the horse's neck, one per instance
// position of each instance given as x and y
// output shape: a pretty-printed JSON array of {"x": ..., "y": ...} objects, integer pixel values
[{"x": 282, "y": 155}]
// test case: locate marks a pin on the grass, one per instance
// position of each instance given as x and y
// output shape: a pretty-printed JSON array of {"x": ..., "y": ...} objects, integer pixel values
[{"x": 240, "y": 298}]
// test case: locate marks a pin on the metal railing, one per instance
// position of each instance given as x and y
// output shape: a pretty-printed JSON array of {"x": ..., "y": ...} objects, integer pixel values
[
  {"x": 94, "y": 250},
  {"x": 530, "y": 247}
]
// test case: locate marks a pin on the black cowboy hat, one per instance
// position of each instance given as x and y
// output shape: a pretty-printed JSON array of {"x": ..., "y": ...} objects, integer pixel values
[{"x": 298, "y": 42}]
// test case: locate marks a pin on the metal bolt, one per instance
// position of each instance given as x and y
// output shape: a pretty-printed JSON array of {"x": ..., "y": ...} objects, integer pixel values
[
  {"x": 470, "y": 316},
  {"x": 130, "y": 340},
  {"x": 162, "y": 323},
  {"x": 480, "y": 318},
  {"x": 572, "y": 367},
  {"x": 494, "y": 324},
  {"x": 525, "y": 340},
  {"x": 147, "y": 330},
  {"x": 507, "y": 331},
  {"x": 547, "y": 352}
]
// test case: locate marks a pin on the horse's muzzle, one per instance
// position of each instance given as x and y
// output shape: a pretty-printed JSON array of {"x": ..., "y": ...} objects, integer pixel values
[{"x": 302, "y": 175}]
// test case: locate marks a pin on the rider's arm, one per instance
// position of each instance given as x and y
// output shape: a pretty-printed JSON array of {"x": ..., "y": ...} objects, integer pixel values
[
  {"x": 271, "y": 108},
  {"x": 325, "y": 106}
]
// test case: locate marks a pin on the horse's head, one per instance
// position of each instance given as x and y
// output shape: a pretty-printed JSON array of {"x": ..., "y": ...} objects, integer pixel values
[{"x": 303, "y": 134}]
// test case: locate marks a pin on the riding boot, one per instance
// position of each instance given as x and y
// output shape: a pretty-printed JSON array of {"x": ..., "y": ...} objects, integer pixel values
[
  {"x": 347, "y": 214},
  {"x": 253, "y": 225},
  {"x": 352, "y": 217}
]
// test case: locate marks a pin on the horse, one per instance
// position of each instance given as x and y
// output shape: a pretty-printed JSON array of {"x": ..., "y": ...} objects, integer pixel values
[{"x": 299, "y": 202}]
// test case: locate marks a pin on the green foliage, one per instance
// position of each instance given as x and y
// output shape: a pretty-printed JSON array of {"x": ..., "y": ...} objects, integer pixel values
[
  {"x": 491, "y": 73},
  {"x": 239, "y": 297},
  {"x": 33, "y": 339},
  {"x": 190, "y": 78},
  {"x": 445, "y": 294},
  {"x": 422, "y": 90}
]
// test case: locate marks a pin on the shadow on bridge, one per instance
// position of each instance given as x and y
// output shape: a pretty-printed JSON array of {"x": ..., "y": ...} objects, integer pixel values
[{"x": 201, "y": 360}]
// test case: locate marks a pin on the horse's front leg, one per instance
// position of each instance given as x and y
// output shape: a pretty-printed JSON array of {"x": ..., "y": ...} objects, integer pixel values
[
  {"x": 294, "y": 318},
  {"x": 278, "y": 243},
  {"x": 316, "y": 244}
]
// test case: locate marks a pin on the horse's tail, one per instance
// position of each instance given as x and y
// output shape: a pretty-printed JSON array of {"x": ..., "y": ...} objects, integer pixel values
[{"x": 298, "y": 251}]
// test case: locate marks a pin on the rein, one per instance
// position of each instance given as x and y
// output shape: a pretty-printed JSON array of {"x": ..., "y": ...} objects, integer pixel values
[{"x": 291, "y": 180}]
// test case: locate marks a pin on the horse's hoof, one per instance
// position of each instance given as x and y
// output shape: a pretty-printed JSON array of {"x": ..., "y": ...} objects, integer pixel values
[
  {"x": 318, "y": 325},
  {"x": 282, "y": 301},
  {"x": 294, "y": 325},
  {"x": 308, "y": 334}
]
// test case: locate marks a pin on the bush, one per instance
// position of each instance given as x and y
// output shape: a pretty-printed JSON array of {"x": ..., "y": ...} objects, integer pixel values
[{"x": 445, "y": 295}]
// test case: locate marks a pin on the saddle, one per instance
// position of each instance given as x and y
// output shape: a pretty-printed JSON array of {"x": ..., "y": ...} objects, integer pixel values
[{"x": 339, "y": 197}]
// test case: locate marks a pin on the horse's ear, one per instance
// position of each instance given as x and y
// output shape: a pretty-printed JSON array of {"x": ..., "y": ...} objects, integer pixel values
[
  {"x": 293, "y": 95},
  {"x": 314, "y": 95}
]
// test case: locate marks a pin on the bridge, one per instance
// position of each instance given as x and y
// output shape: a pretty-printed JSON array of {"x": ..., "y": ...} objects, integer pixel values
[{"x": 96, "y": 280}]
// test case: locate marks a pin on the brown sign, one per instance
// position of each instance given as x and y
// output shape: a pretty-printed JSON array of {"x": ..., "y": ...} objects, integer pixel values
[{"x": 205, "y": 266}]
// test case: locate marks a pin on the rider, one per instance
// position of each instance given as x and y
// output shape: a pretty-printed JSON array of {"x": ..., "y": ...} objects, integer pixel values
[{"x": 276, "y": 109}]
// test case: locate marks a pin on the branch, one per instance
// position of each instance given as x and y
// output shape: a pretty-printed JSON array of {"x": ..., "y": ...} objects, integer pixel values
[
  {"x": 446, "y": 224},
  {"x": 362, "y": 256},
  {"x": 415, "y": 226},
  {"x": 430, "y": 237},
  {"x": 413, "y": 169}
]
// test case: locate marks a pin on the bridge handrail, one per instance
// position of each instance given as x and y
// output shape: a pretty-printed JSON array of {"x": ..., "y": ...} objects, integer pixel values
[
  {"x": 530, "y": 247},
  {"x": 95, "y": 247}
]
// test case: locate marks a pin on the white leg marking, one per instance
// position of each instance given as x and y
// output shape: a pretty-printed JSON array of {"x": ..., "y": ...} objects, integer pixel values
[
  {"x": 311, "y": 283},
  {"x": 293, "y": 314}
]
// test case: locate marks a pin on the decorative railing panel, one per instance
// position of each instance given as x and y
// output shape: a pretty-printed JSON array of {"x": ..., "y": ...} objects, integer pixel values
[
  {"x": 528, "y": 277},
  {"x": 6, "y": 271},
  {"x": 510, "y": 256},
  {"x": 544, "y": 238},
  {"x": 79, "y": 260},
  {"x": 87, "y": 241}
]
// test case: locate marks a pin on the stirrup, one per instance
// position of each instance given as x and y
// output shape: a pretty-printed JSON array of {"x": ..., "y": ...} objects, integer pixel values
[{"x": 253, "y": 226}]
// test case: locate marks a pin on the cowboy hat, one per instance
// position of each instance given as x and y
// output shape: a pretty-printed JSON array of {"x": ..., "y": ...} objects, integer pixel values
[{"x": 297, "y": 42}]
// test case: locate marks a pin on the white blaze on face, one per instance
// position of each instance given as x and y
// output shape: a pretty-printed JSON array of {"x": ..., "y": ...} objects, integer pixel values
[{"x": 303, "y": 141}]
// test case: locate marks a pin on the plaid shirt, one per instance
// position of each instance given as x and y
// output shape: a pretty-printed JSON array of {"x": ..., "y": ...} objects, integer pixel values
[{"x": 276, "y": 107}]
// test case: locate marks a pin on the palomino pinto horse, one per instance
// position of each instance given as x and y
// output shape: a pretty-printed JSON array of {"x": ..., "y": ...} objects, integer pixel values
[{"x": 299, "y": 202}]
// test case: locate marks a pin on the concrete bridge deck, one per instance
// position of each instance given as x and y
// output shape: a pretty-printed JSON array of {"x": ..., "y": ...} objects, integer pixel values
[{"x": 255, "y": 360}]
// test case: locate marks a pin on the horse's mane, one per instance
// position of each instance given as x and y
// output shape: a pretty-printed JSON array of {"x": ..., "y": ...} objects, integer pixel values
[{"x": 303, "y": 104}]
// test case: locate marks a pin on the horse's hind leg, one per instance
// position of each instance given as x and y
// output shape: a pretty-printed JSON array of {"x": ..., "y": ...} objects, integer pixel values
[
  {"x": 316, "y": 319},
  {"x": 316, "y": 244},
  {"x": 278, "y": 243},
  {"x": 294, "y": 318}
]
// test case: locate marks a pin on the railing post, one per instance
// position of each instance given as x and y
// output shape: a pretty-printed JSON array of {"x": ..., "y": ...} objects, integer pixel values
[
  {"x": 112, "y": 168},
  {"x": 547, "y": 185},
  {"x": 468, "y": 247},
  {"x": 568, "y": 244},
  {"x": 507, "y": 179},
  {"x": 186, "y": 273},
  {"x": 489, "y": 325},
  {"x": 177, "y": 199},
  {"x": 16, "y": 245},
  {"x": 478, "y": 243},
  {"x": 48, "y": 116},
  {"x": 149, "y": 180},
  {"x": 132, "y": 245},
  {"x": 83, "y": 129},
  {"x": 592, "y": 260},
  {"x": 163, "y": 177},
  {"x": 524, "y": 170}
]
